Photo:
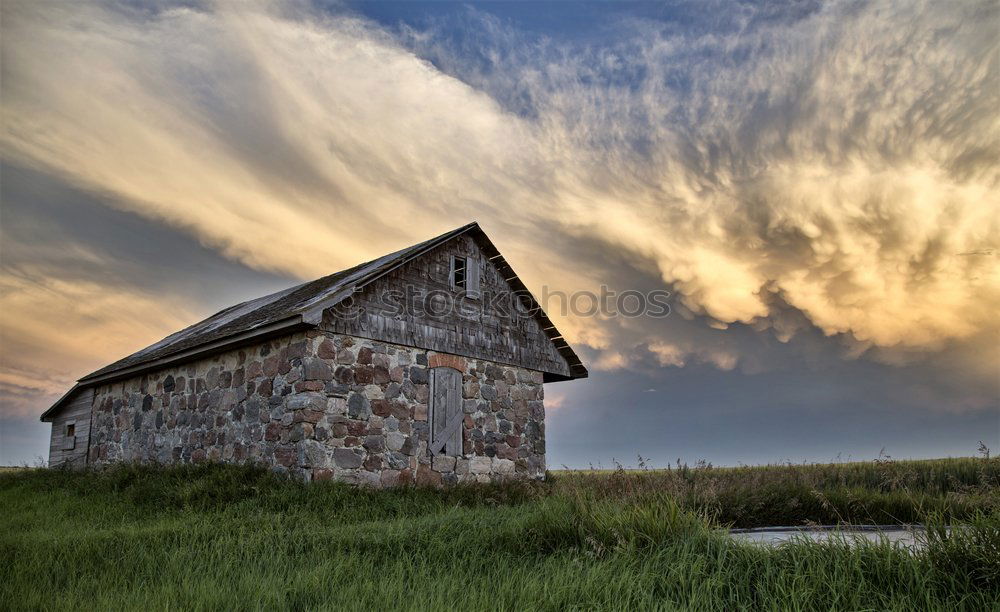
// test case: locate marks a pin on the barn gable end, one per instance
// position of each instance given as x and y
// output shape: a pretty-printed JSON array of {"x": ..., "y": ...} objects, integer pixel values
[{"x": 417, "y": 305}]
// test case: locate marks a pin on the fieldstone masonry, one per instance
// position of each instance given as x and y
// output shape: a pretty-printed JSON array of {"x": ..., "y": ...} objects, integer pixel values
[{"x": 324, "y": 406}]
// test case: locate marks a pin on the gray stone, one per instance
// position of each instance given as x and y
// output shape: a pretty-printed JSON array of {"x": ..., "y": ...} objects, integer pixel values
[
  {"x": 347, "y": 458},
  {"x": 392, "y": 391},
  {"x": 409, "y": 446},
  {"x": 358, "y": 406},
  {"x": 313, "y": 454},
  {"x": 375, "y": 444},
  {"x": 480, "y": 465},
  {"x": 443, "y": 463},
  {"x": 418, "y": 375},
  {"x": 398, "y": 461},
  {"x": 408, "y": 389},
  {"x": 305, "y": 401},
  {"x": 394, "y": 441},
  {"x": 362, "y": 478},
  {"x": 316, "y": 369},
  {"x": 503, "y": 466},
  {"x": 488, "y": 392}
]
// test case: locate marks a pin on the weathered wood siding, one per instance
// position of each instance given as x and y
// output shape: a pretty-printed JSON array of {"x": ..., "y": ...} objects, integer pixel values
[
  {"x": 484, "y": 330},
  {"x": 72, "y": 450}
]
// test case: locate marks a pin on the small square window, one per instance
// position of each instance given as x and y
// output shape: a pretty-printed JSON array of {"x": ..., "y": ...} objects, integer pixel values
[
  {"x": 458, "y": 276},
  {"x": 70, "y": 430}
]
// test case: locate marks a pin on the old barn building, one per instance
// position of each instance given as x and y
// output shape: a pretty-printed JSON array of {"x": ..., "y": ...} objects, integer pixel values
[{"x": 425, "y": 365}]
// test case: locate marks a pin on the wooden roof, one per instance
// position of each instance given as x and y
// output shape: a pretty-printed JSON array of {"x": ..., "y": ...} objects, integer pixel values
[{"x": 301, "y": 307}]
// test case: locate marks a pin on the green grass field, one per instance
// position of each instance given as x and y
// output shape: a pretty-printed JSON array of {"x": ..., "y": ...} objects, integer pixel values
[{"x": 218, "y": 537}]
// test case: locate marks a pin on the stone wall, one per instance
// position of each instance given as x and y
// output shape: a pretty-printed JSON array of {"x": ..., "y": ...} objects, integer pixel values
[{"x": 321, "y": 406}]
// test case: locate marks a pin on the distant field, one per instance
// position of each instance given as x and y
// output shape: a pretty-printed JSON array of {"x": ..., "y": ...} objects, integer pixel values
[
  {"x": 222, "y": 537},
  {"x": 887, "y": 492}
]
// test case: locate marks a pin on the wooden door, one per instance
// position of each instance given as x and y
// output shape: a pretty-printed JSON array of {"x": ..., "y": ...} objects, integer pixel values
[{"x": 446, "y": 411}]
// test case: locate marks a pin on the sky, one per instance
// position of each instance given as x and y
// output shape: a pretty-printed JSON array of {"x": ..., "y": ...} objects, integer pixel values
[{"x": 816, "y": 184}]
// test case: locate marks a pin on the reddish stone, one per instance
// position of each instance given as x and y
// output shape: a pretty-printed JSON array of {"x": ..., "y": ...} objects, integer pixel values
[
  {"x": 339, "y": 430},
  {"x": 296, "y": 349},
  {"x": 373, "y": 463},
  {"x": 364, "y": 355},
  {"x": 265, "y": 388},
  {"x": 381, "y": 407},
  {"x": 513, "y": 441},
  {"x": 255, "y": 370},
  {"x": 437, "y": 360},
  {"x": 326, "y": 349},
  {"x": 308, "y": 416},
  {"x": 400, "y": 410},
  {"x": 270, "y": 366},
  {"x": 506, "y": 452},
  {"x": 469, "y": 424},
  {"x": 396, "y": 374},
  {"x": 381, "y": 375},
  {"x": 352, "y": 441},
  {"x": 427, "y": 477},
  {"x": 389, "y": 478},
  {"x": 284, "y": 365},
  {"x": 364, "y": 375},
  {"x": 480, "y": 447},
  {"x": 285, "y": 455},
  {"x": 238, "y": 378},
  {"x": 468, "y": 447},
  {"x": 199, "y": 455},
  {"x": 322, "y": 474},
  {"x": 357, "y": 428},
  {"x": 420, "y": 412},
  {"x": 405, "y": 476},
  {"x": 272, "y": 432},
  {"x": 309, "y": 385}
]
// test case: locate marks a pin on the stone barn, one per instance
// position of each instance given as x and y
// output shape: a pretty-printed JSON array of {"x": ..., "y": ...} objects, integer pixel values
[{"x": 426, "y": 365}]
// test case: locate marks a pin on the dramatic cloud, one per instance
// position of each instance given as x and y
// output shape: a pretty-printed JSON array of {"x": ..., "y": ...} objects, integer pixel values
[{"x": 835, "y": 169}]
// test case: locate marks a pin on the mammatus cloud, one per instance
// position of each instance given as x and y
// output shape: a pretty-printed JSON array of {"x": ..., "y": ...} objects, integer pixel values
[{"x": 841, "y": 163}]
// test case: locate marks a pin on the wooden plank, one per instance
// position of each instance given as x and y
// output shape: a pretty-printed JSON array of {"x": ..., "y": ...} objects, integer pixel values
[
  {"x": 488, "y": 332},
  {"x": 78, "y": 412}
]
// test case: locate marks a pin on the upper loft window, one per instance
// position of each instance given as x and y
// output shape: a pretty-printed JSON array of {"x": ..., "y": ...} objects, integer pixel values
[
  {"x": 70, "y": 430},
  {"x": 465, "y": 275},
  {"x": 458, "y": 273}
]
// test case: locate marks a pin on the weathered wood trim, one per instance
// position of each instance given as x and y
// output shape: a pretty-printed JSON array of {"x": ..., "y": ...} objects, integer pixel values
[{"x": 79, "y": 413}]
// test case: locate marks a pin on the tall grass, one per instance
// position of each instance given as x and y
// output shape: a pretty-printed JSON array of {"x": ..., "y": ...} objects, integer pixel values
[
  {"x": 880, "y": 492},
  {"x": 224, "y": 537}
]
